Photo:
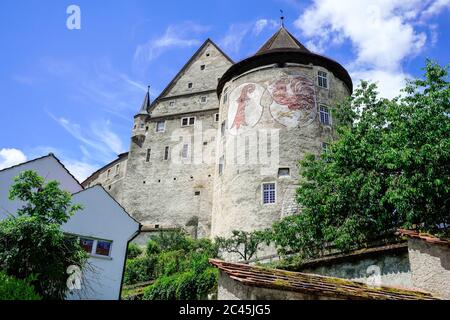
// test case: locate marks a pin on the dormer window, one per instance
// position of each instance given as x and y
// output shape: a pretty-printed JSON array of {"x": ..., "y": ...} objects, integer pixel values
[{"x": 322, "y": 79}]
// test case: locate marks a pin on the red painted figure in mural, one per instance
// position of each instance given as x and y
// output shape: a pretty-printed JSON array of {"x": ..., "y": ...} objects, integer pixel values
[
  {"x": 239, "y": 119},
  {"x": 302, "y": 96}
]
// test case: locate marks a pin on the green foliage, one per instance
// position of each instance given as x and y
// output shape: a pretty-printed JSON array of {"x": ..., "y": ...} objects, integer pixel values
[
  {"x": 16, "y": 289},
  {"x": 42, "y": 200},
  {"x": 134, "y": 251},
  {"x": 245, "y": 244},
  {"x": 389, "y": 168},
  {"x": 32, "y": 244},
  {"x": 140, "y": 269},
  {"x": 178, "y": 264}
]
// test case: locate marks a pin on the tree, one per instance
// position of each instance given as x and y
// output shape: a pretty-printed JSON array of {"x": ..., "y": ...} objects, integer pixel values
[
  {"x": 244, "y": 244},
  {"x": 15, "y": 289},
  {"x": 32, "y": 245},
  {"x": 389, "y": 168}
]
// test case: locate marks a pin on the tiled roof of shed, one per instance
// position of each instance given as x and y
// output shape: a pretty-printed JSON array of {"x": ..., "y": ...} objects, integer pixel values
[
  {"x": 423, "y": 236},
  {"x": 313, "y": 284}
]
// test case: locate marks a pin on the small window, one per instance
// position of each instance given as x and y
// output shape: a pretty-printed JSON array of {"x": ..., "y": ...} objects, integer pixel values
[
  {"x": 324, "y": 147},
  {"x": 171, "y": 103},
  {"x": 156, "y": 226},
  {"x": 222, "y": 128},
  {"x": 147, "y": 158},
  {"x": 207, "y": 54},
  {"x": 221, "y": 164},
  {"x": 185, "y": 151},
  {"x": 142, "y": 125},
  {"x": 216, "y": 117},
  {"x": 187, "y": 121},
  {"x": 103, "y": 248},
  {"x": 322, "y": 79},
  {"x": 190, "y": 85},
  {"x": 117, "y": 168},
  {"x": 225, "y": 95},
  {"x": 166, "y": 153},
  {"x": 269, "y": 193},
  {"x": 87, "y": 244},
  {"x": 203, "y": 99},
  {"x": 160, "y": 126},
  {"x": 197, "y": 193},
  {"x": 202, "y": 67},
  {"x": 108, "y": 173},
  {"x": 325, "y": 115},
  {"x": 284, "y": 172}
]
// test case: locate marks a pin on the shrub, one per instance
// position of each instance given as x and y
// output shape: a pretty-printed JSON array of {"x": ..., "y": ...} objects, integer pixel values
[
  {"x": 139, "y": 269},
  {"x": 16, "y": 289},
  {"x": 134, "y": 251}
]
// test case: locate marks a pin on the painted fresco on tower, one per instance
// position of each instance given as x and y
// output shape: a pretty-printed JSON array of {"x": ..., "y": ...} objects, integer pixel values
[
  {"x": 294, "y": 100},
  {"x": 245, "y": 108}
]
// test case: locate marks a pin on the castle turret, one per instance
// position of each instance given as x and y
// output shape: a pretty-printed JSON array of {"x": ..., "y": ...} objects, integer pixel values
[
  {"x": 275, "y": 107},
  {"x": 140, "y": 119}
]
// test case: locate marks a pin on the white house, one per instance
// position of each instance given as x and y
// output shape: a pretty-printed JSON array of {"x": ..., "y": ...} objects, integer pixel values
[{"x": 103, "y": 227}]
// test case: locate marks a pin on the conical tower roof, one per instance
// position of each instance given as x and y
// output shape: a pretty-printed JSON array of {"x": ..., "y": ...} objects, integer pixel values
[
  {"x": 283, "y": 48},
  {"x": 145, "y": 104},
  {"x": 282, "y": 39}
]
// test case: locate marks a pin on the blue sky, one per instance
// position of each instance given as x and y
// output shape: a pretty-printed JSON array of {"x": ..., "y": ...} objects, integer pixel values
[{"x": 74, "y": 92}]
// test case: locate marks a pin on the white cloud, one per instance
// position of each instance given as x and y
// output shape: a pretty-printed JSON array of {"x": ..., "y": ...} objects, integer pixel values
[
  {"x": 236, "y": 33},
  {"x": 81, "y": 170},
  {"x": 383, "y": 33},
  {"x": 98, "y": 141},
  {"x": 10, "y": 157},
  {"x": 175, "y": 36}
]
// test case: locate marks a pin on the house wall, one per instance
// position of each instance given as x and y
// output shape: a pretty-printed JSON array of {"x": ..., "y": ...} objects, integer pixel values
[
  {"x": 385, "y": 268},
  {"x": 47, "y": 167},
  {"x": 430, "y": 266},
  {"x": 229, "y": 289},
  {"x": 101, "y": 218},
  {"x": 237, "y": 203}
]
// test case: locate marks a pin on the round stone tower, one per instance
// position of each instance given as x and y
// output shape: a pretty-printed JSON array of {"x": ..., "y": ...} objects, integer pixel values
[{"x": 275, "y": 107}]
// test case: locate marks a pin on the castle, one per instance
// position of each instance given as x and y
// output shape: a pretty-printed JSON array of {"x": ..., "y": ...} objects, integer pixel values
[{"x": 219, "y": 149}]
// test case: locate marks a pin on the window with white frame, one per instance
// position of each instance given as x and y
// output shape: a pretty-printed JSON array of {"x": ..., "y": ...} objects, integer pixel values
[
  {"x": 160, "y": 126},
  {"x": 322, "y": 79},
  {"x": 185, "y": 151},
  {"x": 216, "y": 117},
  {"x": 325, "y": 117},
  {"x": 166, "y": 153},
  {"x": 221, "y": 164},
  {"x": 96, "y": 247},
  {"x": 203, "y": 99},
  {"x": 269, "y": 193},
  {"x": 187, "y": 121},
  {"x": 142, "y": 125}
]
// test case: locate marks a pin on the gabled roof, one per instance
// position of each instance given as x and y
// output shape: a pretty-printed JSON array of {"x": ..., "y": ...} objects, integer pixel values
[
  {"x": 282, "y": 39},
  {"x": 50, "y": 155},
  {"x": 188, "y": 63},
  {"x": 313, "y": 284}
]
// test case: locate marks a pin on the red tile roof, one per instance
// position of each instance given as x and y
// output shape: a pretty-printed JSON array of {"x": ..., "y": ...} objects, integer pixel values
[
  {"x": 313, "y": 284},
  {"x": 424, "y": 236}
]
